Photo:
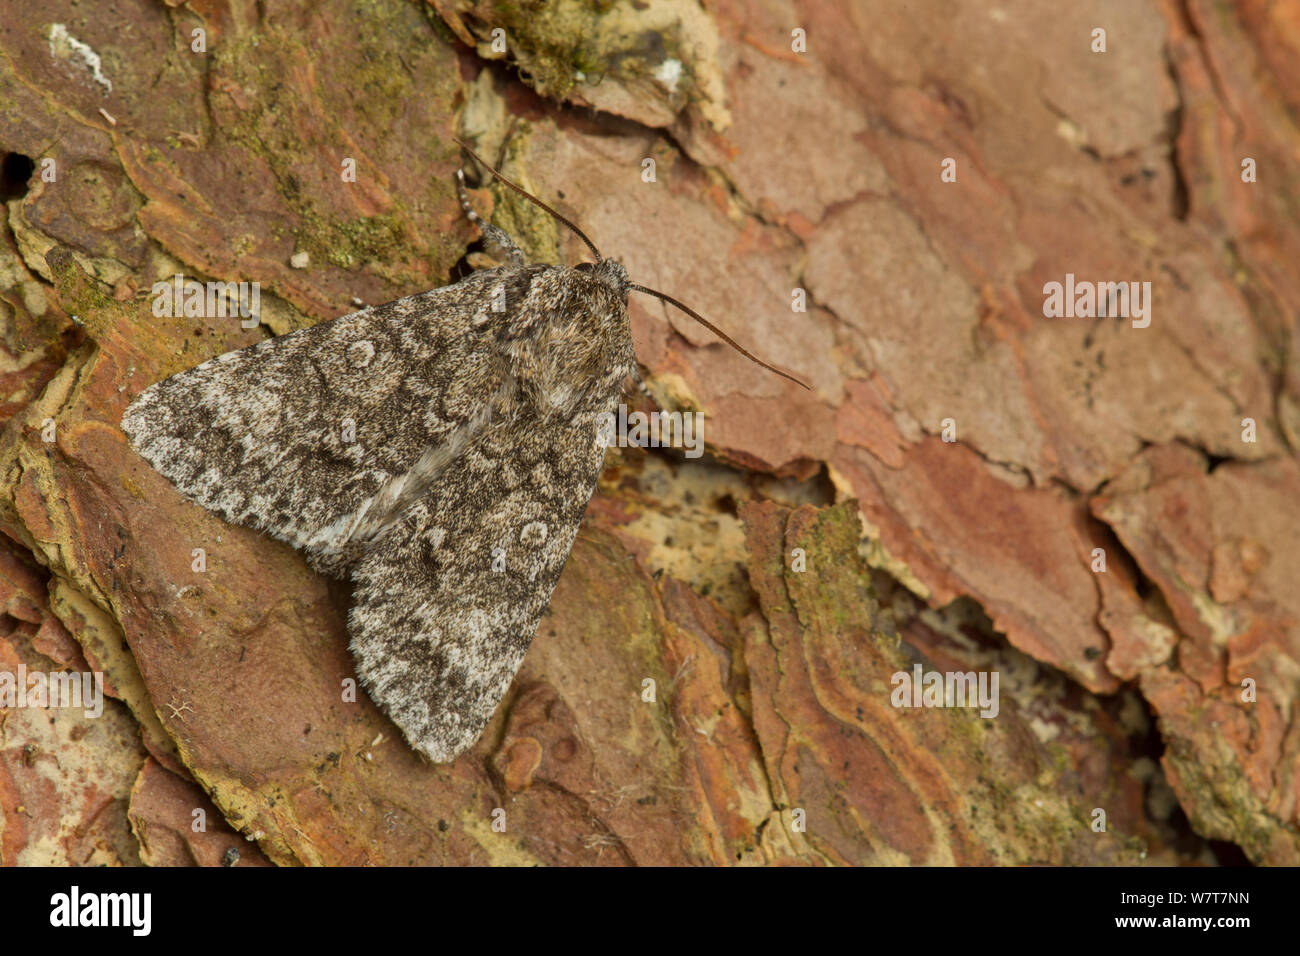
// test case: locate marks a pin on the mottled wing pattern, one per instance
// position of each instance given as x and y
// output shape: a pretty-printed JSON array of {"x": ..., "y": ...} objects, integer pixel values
[
  {"x": 446, "y": 606},
  {"x": 439, "y": 452},
  {"x": 289, "y": 435}
]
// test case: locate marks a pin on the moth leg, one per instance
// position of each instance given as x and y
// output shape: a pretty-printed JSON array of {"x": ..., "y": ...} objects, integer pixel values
[
  {"x": 514, "y": 255},
  {"x": 642, "y": 387}
]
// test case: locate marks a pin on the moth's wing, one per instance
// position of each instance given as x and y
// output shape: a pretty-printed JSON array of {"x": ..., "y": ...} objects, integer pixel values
[
  {"x": 437, "y": 631},
  {"x": 288, "y": 435}
]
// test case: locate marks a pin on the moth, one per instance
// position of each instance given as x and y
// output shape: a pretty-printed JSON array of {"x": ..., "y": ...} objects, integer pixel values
[{"x": 437, "y": 451}]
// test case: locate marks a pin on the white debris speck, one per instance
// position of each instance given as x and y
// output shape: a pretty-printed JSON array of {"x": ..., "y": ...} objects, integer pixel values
[
  {"x": 669, "y": 72},
  {"x": 64, "y": 46},
  {"x": 299, "y": 260}
]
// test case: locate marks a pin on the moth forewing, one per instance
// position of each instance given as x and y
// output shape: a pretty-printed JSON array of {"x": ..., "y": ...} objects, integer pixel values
[{"x": 435, "y": 451}]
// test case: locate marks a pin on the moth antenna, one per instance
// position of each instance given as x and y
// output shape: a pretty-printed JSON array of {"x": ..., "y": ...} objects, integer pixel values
[
  {"x": 717, "y": 331},
  {"x": 530, "y": 197}
]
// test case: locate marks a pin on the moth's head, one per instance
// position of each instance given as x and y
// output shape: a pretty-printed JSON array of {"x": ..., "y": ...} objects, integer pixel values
[
  {"x": 610, "y": 272},
  {"x": 613, "y": 276}
]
